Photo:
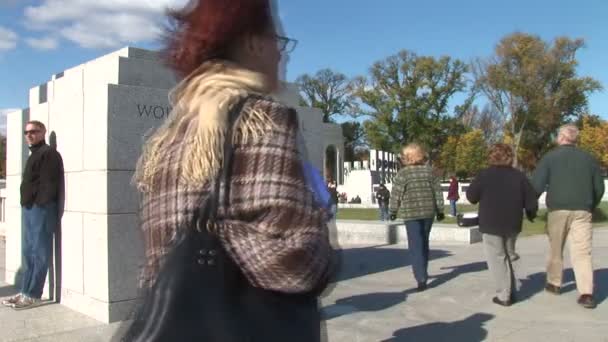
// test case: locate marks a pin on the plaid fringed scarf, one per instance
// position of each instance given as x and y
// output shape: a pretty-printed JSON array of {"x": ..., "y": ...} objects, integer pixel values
[{"x": 271, "y": 225}]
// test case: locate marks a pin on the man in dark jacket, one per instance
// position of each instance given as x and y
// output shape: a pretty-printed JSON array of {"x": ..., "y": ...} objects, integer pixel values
[
  {"x": 574, "y": 185},
  {"x": 39, "y": 199},
  {"x": 383, "y": 197}
]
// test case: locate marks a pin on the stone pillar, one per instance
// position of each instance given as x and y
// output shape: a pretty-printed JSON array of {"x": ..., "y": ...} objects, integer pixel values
[{"x": 16, "y": 156}]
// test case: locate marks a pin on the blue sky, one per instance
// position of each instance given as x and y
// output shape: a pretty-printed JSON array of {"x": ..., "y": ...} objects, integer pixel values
[{"x": 42, "y": 37}]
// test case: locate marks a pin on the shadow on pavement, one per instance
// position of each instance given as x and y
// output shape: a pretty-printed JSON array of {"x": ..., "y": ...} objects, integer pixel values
[
  {"x": 457, "y": 271},
  {"x": 601, "y": 284},
  {"x": 7, "y": 291},
  {"x": 470, "y": 329},
  {"x": 359, "y": 262},
  {"x": 366, "y": 302},
  {"x": 535, "y": 283}
]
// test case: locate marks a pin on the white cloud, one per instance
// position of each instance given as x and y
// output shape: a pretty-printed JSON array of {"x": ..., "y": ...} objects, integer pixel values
[
  {"x": 3, "y": 113},
  {"x": 8, "y": 39},
  {"x": 45, "y": 43},
  {"x": 100, "y": 24}
]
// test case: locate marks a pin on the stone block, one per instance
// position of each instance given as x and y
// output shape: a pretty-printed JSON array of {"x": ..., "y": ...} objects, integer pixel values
[
  {"x": 133, "y": 115},
  {"x": 352, "y": 232},
  {"x": 86, "y": 191},
  {"x": 95, "y": 255},
  {"x": 16, "y": 148},
  {"x": 132, "y": 52},
  {"x": 97, "y": 75},
  {"x": 40, "y": 112},
  {"x": 94, "y": 308},
  {"x": 126, "y": 256},
  {"x": 76, "y": 192},
  {"x": 14, "y": 220},
  {"x": 145, "y": 73},
  {"x": 450, "y": 233},
  {"x": 120, "y": 311},
  {"x": 72, "y": 269},
  {"x": 123, "y": 197},
  {"x": 13, "y": 191},
  {"x": 66, "y": 119},
  {"x": 94, "y": 192}
]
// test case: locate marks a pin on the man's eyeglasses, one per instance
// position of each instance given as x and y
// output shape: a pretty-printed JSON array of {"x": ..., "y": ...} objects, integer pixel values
[
  {"x": 286, "y": 44},
  {"x": 32, "y": 132}
]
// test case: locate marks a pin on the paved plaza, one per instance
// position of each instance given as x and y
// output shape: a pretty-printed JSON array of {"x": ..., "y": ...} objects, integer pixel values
[{"x": 374, "y": 300}]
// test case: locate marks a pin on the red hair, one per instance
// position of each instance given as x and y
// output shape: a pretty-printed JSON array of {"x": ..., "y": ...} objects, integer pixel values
[{"x": 207, "y": 29}]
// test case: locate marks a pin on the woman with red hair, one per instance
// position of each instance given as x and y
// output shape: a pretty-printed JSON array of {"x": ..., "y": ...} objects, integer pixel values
[{"x": 270, "y": 254}]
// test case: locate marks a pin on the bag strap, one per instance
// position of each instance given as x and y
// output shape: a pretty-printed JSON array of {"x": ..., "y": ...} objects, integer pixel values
[{"x": 208, "y": 211}]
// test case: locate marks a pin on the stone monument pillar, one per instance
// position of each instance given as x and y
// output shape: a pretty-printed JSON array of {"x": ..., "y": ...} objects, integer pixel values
[{"x": 99, "y": 114}]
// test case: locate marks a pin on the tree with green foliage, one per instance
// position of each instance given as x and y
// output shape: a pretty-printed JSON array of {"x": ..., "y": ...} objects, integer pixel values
[
  {"x": 328, "y": 91},
  {"x": 471, "y": 153},
  {"x": 533, "y": 84},
  {"x": 406, "y": 99},
  {"x": 447, "y": 157},
  {"x": 354, "y": 139}
]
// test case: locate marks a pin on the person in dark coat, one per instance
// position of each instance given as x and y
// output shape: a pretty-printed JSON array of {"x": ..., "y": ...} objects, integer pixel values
[
  {"x": 383, "y": 197},
  {"x": 40, "y": 191},
  {"x": 503, "y": 193},
  {"x": 453, "y": 195},
  {"x": 334, "y": 196}
]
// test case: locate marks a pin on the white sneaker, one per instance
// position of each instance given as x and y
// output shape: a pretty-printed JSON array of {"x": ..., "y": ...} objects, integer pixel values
[
  {"x": 10, "y": 301},
  {"x": 26, "y": 302}
]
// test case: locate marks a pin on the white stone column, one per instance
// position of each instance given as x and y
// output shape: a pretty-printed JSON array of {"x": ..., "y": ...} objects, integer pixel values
[{"x": 16, "y": 155}]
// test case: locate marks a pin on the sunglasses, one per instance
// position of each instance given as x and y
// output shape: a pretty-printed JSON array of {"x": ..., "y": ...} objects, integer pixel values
[
  {"x": 32, "y": 132},
  {"x": 286, "y": 44}
]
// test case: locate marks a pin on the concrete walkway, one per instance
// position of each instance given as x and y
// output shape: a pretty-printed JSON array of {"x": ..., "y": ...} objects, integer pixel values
[{"x": 374, "y": 301}]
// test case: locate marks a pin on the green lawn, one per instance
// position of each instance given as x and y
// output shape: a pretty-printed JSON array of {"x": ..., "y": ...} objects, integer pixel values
[{"x": 600, "y": 217}]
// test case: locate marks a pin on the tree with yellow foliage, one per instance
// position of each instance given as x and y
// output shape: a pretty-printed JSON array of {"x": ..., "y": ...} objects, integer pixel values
[
  {"x": 594, "y": 138},
  {"x": 471, "y": 153}
]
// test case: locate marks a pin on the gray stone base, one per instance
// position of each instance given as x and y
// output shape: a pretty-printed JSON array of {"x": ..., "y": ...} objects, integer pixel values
[
  {"x": 351, "y": 232},
  {"x": 99, "y": 310}
]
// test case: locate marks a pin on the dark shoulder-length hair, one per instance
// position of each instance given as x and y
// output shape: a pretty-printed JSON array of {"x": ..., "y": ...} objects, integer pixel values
[
  {"x": 500, "y": 155},
  {"x": 207, "y": 29}
]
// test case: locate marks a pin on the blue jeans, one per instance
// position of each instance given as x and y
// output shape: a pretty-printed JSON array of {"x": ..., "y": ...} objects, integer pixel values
[
  {"x": 418, "y": 232},
  {"x": 453, "y": 206},
  {"x": 40, "y": 223},
  {"x": 384, "y": 214}
]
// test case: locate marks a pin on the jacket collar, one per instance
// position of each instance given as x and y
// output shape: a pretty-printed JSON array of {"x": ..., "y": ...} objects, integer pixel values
[{"x": 36, "y": 147}]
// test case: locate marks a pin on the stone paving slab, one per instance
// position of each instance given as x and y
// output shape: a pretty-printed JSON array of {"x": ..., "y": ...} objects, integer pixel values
[{"x": 374, "y": 300}]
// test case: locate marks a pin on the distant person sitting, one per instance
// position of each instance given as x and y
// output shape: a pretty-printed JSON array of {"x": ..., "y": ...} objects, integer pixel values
[
  {"x": 503, "y": 193},
  {"x": 383, "y": 197},
  {"x": 357, "y": 200}
]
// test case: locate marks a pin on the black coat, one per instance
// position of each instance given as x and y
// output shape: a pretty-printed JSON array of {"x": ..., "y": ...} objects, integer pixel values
[
  {"x": 383, "y": 196},
  {"x": 503, "y": 193},
  {"x": 42, "y": 176}
]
